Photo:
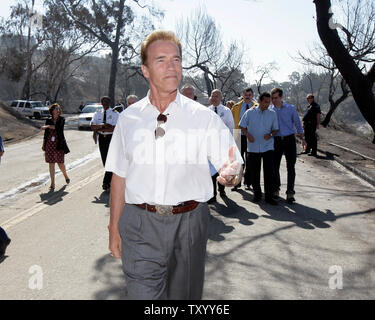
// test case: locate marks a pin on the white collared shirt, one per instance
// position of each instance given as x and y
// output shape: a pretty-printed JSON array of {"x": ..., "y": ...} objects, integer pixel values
[
  {"x": 173, "y": 168},
  {"x": 111, "y": 118},
  {"x": 225, "y": 114}
]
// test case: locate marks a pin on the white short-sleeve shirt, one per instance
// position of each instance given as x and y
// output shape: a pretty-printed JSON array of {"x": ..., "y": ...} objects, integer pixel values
[
  {"x": 111, "y": 118},
  {"x": 173, "y": 168},
  {"x": 225, "y": 114}
]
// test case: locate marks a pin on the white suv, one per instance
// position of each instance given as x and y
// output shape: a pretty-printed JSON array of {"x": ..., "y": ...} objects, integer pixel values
[{"x": 31, "y": 109}]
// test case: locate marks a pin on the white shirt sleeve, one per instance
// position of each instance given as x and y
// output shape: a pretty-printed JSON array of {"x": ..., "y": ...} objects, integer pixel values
[
  {"x": 116, "y": 118},
  {"x": 229, "y": 121},
  {"x": 219, "y": 140},
  {"x": 116, "y": 159},
  {"x": 94, "y": 119}
]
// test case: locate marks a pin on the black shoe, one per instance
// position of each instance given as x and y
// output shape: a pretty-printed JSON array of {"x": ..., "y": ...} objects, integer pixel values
[
  {"x": 4, "y": 242},
  {"x": 247, "y": 187},
  {"x": 312, "y": 154},
  {"x": 290, "y": 198},
  {"x": 305, "y": 152},
  {"x": 223, "y": 194},
  {"x": 105, "y": 186},
  {"x": 212, "y": 200},
  {"x": 271, "y": 202}
]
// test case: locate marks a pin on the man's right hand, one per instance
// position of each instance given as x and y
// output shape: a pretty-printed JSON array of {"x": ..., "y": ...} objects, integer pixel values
[
  {"x": 250, "y": 137},
  {"x": 114, "y": 242}
]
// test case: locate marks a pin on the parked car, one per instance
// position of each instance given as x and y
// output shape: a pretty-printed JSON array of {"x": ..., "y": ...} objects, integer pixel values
[
  {"x": 86, "y": 115},
  {"x": 31, "y": 109}
]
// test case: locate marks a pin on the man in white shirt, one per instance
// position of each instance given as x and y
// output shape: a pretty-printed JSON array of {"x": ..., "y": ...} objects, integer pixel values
[
  {"x": 226, "y": 115},
  {"x": 103, "y": 123},
  {"x": 161, "y": 180}
]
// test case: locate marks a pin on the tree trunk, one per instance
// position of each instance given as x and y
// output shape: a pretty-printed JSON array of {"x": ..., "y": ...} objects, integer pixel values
[
  {"x": 327, "y": 119},
  {"x": 26, "y": 86},
  {"x": 113, "y": 74},
  {"x": 359, "y": 84},
  {"x": 209, "y": 84}
]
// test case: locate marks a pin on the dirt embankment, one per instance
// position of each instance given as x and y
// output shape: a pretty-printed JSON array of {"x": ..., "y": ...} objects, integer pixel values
[{"x": 15, "y": 127}]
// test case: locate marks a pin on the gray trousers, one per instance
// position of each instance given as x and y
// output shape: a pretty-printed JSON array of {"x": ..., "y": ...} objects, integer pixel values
[{"x": 163, "y": 257}]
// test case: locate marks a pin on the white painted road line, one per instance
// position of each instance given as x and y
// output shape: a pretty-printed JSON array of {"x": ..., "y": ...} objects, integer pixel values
[{"x": 40, "y": 206}]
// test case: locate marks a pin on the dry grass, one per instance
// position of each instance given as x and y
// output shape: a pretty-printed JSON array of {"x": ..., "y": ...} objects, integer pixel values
[{"x": 15, "y": 127}]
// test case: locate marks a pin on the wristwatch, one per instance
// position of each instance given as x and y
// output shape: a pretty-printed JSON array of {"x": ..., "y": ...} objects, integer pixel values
[{"x": 271, "y": 134}]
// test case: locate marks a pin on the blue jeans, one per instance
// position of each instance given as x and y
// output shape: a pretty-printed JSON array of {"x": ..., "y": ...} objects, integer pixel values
[{"x": 285, "y": 146}]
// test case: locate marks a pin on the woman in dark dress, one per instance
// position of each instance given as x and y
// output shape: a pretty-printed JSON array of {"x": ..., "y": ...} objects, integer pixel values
[{"x": 54, "y": 143}]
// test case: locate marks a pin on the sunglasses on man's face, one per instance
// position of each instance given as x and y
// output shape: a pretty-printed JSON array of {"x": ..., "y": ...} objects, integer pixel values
[{"x": 159, "y": 131}]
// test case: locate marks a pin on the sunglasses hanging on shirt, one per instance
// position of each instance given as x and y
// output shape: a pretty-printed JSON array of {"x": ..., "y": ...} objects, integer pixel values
[{"x": 159, "y": 131}]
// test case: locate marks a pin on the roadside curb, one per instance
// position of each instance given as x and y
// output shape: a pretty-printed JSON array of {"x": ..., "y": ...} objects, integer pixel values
[
  {"x": 357, "y": 172},
  {"x": 364, "y": 176}
]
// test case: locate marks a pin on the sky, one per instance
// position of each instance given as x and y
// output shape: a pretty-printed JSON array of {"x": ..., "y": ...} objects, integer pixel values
[{"x": 270, "y": 30}]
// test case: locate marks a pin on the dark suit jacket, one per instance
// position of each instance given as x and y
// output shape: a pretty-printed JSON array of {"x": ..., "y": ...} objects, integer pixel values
[{"x": 59, "y": 128}]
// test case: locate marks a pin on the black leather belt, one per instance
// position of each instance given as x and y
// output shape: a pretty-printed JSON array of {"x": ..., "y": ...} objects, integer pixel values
[{"x": 284, "y": 137}]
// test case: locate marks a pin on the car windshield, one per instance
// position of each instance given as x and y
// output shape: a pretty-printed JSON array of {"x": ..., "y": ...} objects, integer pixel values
[
  {"x": 91, "y": 109},
  {"x": 36, "y": 104}
]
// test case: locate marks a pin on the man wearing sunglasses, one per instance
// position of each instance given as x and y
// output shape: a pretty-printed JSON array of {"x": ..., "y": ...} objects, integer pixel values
[{"x": 161, "y": 181}]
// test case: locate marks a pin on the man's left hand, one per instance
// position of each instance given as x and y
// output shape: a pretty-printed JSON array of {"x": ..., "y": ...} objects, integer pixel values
[
  {"x": 267, "y": 136},
  {"x": 230, "y": 173}
]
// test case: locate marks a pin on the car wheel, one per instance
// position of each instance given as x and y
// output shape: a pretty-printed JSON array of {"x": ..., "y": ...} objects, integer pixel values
[{"x": 37, "y": 116}]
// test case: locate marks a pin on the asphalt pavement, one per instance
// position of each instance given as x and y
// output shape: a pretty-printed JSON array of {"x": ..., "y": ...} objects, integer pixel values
[{"x": 321, "y": 247}]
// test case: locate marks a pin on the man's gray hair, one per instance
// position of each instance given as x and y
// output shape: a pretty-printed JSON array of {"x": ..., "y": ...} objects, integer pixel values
[
  {"x": 131, "y": 96},
  {"x": 186, "y": 86}
]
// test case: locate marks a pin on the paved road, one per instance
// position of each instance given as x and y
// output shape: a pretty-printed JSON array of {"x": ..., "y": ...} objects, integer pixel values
[{"x": 255, "y": 251}]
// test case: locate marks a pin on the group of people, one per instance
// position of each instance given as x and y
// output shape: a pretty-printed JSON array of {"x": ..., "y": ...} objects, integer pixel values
[
  {"x": 267, "y": 132},
  {"x": 55, "y": 146},
  {"x": 164, "y": 158},
  {"x": 167, "y": 156}
]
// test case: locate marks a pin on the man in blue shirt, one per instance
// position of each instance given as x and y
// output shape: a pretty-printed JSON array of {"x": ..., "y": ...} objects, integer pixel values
[
  {"x": 259, "y": 125},
  {"x": 285, "y": 140},
  {"x": 238, "y": 110}
]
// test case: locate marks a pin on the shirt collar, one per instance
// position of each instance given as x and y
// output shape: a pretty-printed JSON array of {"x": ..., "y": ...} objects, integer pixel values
[
  {"x": 148, "y": 104},
  {"x": 251, "y": 104}
]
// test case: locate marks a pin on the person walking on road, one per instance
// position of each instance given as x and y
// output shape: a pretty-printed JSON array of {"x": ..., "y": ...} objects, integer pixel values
[
  {"x": 311, "y": 121},
  {"x": 54, "y": 143},
  {"x": 226, "y": 116},
  {"x": 285, "y": 141},
  {"x": 238, "y": 110},
  {"x": 1, "y": 148},
  {"x": 260, "y": 126},
  {"x": 159, "y": 156},
  {"x": 4, "y": 239},
  {"x": 104, "y": 122}
]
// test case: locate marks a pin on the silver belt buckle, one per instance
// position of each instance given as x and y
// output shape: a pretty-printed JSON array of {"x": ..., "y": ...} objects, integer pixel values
[{"x": 164, "y": 210}]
